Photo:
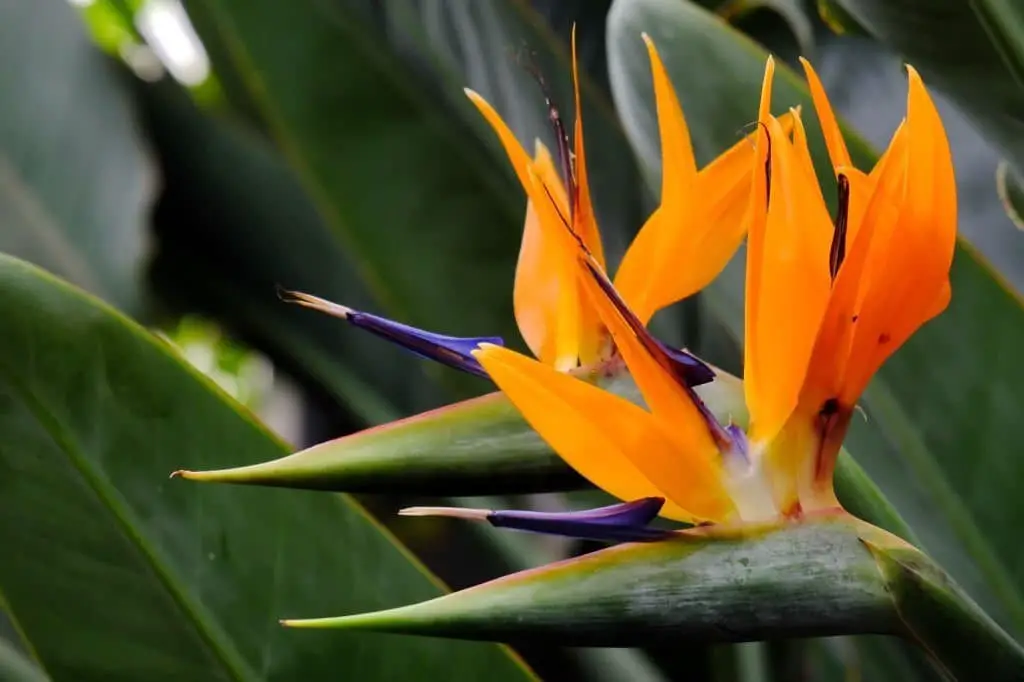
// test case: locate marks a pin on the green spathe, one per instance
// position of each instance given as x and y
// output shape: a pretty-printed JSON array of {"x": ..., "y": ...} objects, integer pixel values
[
  {"x": 476, "y": 447},
  {"x": 825, "y": 575}
]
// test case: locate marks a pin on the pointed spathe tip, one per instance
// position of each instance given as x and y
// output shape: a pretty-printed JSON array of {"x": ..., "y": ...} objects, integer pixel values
[
  {"x": 399, "y": 619},
  {"x": 318, "y": 623},
  {"x": 246, "y": 474},
  {"x": 190, "y": 475}
]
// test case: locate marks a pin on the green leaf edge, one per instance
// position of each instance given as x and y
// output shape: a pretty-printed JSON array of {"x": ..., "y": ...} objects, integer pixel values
[{"x": 211, "y": 633}]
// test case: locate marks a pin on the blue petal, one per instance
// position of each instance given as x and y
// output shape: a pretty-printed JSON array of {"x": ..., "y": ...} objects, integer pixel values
[
  {"x": 693, "y": 369},
  {"x": 454, "y": 351},
  {"x": 740, "y": 442},
  {"x": 625, "y": 522},
  {"x": 687, "y": 369}
]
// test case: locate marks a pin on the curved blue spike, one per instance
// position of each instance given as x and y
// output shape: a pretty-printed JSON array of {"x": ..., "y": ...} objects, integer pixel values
[
  {"x": 453, "y": 351},
  {"x": 624, "y": 522}
]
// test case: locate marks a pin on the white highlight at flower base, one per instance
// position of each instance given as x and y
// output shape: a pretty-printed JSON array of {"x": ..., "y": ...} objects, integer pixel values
[{"x": 169, "y": 33}]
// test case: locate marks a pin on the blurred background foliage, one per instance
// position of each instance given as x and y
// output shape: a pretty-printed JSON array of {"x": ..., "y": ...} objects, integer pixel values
[{"x": 182, "y": 161}]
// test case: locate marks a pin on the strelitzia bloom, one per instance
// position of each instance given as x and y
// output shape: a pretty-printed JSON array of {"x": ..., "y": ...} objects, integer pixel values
[
  {"x": 827, "y": 301},
  {"x": 685, "y": 243}
]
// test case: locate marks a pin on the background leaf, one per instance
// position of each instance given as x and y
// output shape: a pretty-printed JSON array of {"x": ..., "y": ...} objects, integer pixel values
[
  {"x": 76, "y": 182},
  {"x": 15, "y": 667},
  {"x": 187, "y": 582}
]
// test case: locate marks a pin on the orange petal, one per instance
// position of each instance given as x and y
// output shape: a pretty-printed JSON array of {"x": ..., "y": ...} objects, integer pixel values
[
  {"x": 516, "y": 154},
  {"x": 759, "y": 190},
  {"x": 556, "y": 239},
  {"x": 616, "y": 445},
  {"x": 791, "y": 284},
  {"x": 908, "y": 269},
  {"x": 585, "y": 224},
  {"x": 559, "y": 342},
  {"x": 678, "y": 166},
  {"x": 662, "y": 390},
  {"x": 802, "y": 151},
  {"x": 723, "y": 188},
  {"x": 675, "y": 256},
  {"x": 837, "y": 151},
  {"x": 860, "y": 184},
  {"x": 592, "y": 339},
  {"x": 539, "y": 271},
  {"x": 842, "y": 317},
  {"x": 650, "y": 254}
]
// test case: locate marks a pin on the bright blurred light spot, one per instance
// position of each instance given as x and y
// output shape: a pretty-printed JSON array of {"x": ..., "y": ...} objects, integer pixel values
[
  {"x": 81, "y": 3},
  {"x": 245, "y": 375},
  {"x": 167, "y": 30},
  {"x": 141, "y": 59}
]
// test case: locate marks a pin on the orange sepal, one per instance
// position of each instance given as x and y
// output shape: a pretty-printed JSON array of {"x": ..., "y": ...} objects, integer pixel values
[
  {"x": 651, "y": 253},
  {"x": 834, "y": 141},
  {"x": 788, "y": 284},
  {"x": 616, "y": 445},
  {"x": 907, "y": 275},
  {"x": 592, "y": 338},
  {"x": 539, "y": 272},
  {"x": 584, "y": 222}
]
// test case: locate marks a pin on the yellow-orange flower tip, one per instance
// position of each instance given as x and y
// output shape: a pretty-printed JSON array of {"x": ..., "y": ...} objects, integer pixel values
[{"x": 700, "y": 221}]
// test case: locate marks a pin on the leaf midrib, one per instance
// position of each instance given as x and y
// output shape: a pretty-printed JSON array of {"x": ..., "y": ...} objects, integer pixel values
[{"x": 216, "y": 641}]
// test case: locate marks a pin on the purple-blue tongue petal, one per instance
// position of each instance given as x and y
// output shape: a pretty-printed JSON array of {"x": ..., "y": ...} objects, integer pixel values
[
  {"x": 695, "y": 371},
  {"x": 454, "y": 351},
  {"x": 687, "y": 369},
  {"x": 623, "y": 522}
]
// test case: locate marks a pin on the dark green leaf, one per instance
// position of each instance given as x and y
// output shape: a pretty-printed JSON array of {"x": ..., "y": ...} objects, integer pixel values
[
  {"x": 184, "y": 582},
  {"x": 75, "y": 180},
  {"x": 234, "y": 224},
  {"x": 395, "y": 171}
]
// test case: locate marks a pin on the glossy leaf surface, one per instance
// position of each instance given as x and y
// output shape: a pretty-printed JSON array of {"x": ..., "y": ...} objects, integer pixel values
[
  {"x": 102, "y": 551},
  {"x": 56, "y": 209}
]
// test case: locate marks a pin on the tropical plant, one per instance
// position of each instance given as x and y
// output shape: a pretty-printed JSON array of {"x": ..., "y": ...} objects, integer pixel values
[{"x": 167, "y": 195}]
